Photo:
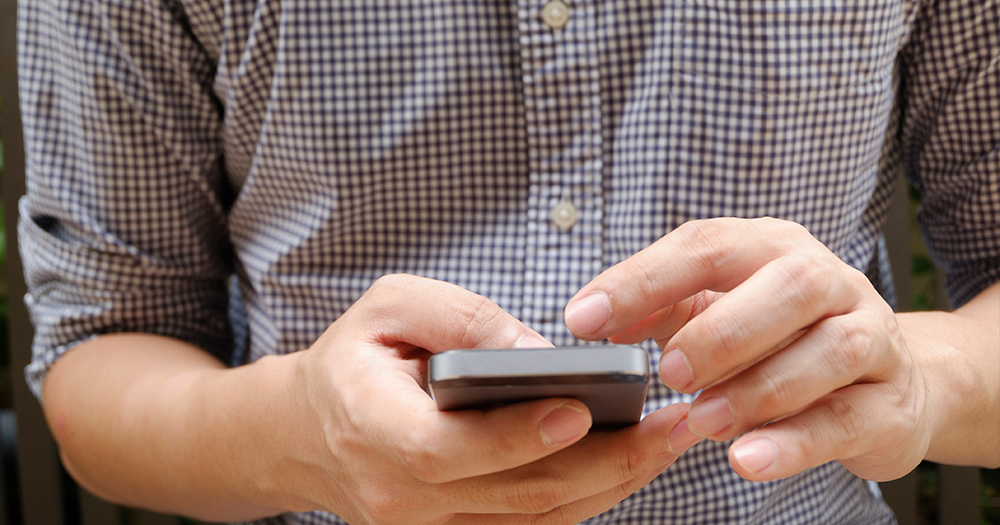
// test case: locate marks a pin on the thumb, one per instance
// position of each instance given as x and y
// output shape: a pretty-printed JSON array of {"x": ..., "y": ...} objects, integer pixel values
[{"x": 439, "y": 316}]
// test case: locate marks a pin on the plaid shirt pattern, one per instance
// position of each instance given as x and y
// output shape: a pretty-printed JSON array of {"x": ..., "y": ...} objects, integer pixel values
[{"x": 236, "y": 173}]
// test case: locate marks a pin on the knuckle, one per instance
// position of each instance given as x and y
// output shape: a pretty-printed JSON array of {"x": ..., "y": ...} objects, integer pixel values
[
  {"x": 807, "y": 280},
  {"x": 704, "y": 239},
  {"x": 642, "y": 270},
  {"x": 562, "y": 515},
  {"x": 474, "y": 317},
  {"x": 388, "y": 283},
  {"x": 794, "y": 227},
  {"x": 386, "y": 506},
  {"x": 851, "y": 349},
  {"x": 632, "y": 464},
  {"x": 539, "y": 495},
  {"x": 775, "y": 393},
  {"x": 889, "y": 329},
  {"x": 383, "y": 291},
  {"x": 858, "y": 287},
  {"x": 857, "y": 279},
  {"x": 728, "y": 335},
  {"x": 504, "y": 445},
  {"x": 846, "y": 418},
  {"x": 422, "y": 460},
  {"x": 784, "y": 227}
]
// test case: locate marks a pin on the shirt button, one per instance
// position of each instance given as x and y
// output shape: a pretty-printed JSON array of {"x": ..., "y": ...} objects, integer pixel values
[
  {"x": 555, "y": 14},
  {"x": 565, "y": 215}
]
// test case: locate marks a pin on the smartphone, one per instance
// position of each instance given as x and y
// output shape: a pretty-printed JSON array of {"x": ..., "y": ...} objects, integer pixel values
[{"x": 611, "y": 380}]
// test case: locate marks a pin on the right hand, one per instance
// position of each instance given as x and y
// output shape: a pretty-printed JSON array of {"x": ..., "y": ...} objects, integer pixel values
[{"x": 391, "y": 457}]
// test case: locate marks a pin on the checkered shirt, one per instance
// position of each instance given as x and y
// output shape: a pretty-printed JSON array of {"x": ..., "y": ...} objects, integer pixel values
[{"x": 236, "y": 173}]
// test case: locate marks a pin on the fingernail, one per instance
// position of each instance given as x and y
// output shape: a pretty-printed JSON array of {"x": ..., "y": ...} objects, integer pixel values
[
  {"x": 588, "y": 315},
  {"x": 710, "y": 416},
  {"x": 675, "y": 371},
  {"x": 756, "y": 455},
  {"x": 564, "y": 423},
  {"x": 681, "y": 438},
  {"x": 532, "y": 340}
]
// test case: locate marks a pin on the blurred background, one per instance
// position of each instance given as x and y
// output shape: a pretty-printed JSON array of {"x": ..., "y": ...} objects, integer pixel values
[{"x": 34, "y": 489}]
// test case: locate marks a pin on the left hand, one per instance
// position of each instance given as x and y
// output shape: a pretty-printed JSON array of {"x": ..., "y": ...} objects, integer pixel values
[{"x": 777, "y": 330}]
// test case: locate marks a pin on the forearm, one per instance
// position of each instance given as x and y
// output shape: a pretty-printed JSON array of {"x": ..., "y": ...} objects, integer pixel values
[
  {"x": 959, "y": 353},
  {"x": 153, "y": 422}
]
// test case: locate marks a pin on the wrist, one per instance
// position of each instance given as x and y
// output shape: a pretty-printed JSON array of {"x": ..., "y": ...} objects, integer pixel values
[
  {"x": 268, "y": 433},
  {"x": 953, "y": 353}
]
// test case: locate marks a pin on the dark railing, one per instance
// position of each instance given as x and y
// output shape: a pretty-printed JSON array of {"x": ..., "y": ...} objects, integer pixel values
[{"x": 34, "y": 489}]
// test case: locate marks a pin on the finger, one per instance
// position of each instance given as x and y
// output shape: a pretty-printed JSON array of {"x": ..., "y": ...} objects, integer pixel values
[
  {"x": 783, "y": 297},
  {"x": 438, "y": 316},
  {"x": 715, "y": 254},
  {"x": 600, "y": 463},
  {"x": 839, "y": 426},
  {"x": 436, "y": 447},
  {"x": 835, "y": 353},
  {"x": 663, "y": 324},
  {"x": 574, "y": 512}
]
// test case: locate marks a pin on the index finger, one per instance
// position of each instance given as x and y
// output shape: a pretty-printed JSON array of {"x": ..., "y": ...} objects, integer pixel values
[
  {"x": 603, "y": 461},
  {"x": 713, "y": 254},
  {"x": 437, "y": 316}
]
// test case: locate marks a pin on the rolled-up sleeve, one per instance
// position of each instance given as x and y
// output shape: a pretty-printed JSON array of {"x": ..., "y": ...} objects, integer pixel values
[
  {"x": 123, "y": 225},
  {"x": 951, "y": 138}
]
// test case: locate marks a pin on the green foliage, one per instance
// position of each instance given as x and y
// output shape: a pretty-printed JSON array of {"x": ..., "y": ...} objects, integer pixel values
[
  {"x": 989, "y": 497},
  {"x": 921, "y": 265}
]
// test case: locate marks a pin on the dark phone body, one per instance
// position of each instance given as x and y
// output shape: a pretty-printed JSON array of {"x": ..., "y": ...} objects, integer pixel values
[{"x": 611, "y": 380}]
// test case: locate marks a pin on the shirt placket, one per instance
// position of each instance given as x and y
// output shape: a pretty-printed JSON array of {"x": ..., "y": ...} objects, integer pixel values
[{"x": 558, "y": 44}]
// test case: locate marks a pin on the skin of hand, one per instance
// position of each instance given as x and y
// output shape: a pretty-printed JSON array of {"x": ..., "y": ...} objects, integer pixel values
[
  {"x": 344, "y": 426},
  {"x": 796, "y": 352}
]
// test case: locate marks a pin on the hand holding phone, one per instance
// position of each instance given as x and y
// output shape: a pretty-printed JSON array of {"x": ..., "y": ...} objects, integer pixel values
[{"x": 611, "y": 380}]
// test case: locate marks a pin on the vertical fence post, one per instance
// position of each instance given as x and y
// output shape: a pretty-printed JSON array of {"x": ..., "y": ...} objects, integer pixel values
[
  {"x": 959, "y": 495},
  {"x": 39, "y": 472},
  {"x": 901, "y": 494}
]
